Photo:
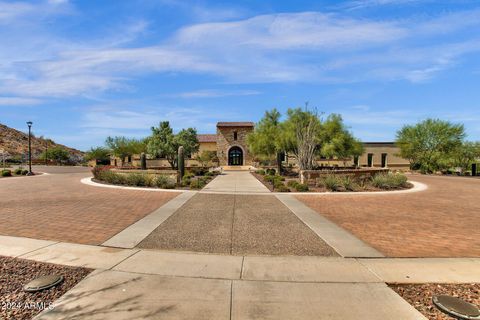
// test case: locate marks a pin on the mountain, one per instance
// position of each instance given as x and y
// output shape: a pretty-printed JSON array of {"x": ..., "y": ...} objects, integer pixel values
[{"x": 15, "y": 143}]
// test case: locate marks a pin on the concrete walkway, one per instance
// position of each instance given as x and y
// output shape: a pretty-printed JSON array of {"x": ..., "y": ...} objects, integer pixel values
[
  {"x": 147, "y": 284},
  {"x": 236, "y": 182}
]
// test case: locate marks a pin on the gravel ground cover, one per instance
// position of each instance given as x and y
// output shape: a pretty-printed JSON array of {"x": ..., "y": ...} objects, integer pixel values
[
  {"x": 236, "y": 224},
  {"x": 420, "y": 296},
  {"x": 15, "y": 273}
]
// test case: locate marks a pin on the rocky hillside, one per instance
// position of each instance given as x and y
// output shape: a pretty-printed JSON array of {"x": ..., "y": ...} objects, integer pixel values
[{"x": 15, "y": 143}]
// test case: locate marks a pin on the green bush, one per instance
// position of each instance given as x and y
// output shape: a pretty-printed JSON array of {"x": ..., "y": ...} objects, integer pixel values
[
  {"x": 136, "y": 179},
  {"x": 209, "y": 174},
  {"x": 6, "y": 173},
  {"x": 332, "y": 182},
  {"x": 112, "y": 177},
  {"x": 261, "y": 172},
  {"x": 292, "y": 184},
  {"x": 188, "y": 175},
  {"x": 197, "y": 183},
  {"x": 24, "y": 172},
  {"x": 186, "y": 180},
  {"x": 18, "y": 171},
  {"x": 271, "y": 172},
  {"x": 301, "y": 187},
  {"x": 199, "y": 171},
  {"x": 388, "y": 181},
  {"x": 282, "y": 188},
  {"x": 164, "y": 182},
  {"x": 349, "y": 183}
]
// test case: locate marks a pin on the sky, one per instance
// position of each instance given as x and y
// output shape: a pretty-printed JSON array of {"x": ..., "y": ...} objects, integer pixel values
[{"x": 85, "y": 70}]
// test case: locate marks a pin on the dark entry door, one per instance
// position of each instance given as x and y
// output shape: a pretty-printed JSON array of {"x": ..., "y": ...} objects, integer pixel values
[{"x": 235, "y": 156}]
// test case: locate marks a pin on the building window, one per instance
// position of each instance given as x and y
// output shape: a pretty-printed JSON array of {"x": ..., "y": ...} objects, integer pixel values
[
  {"x": 355, "y": 161},
  {"x": 235, "y": 135},
  {"x": 370, "y": 160},
  {"x": 384, "y": 160}
]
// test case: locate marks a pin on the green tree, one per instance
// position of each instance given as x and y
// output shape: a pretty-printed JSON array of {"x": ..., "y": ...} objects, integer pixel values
[
  {"x": 301, "y": 135},
  {"x": 430, "y": 144},
  {"x": 206, "y": 157},
  {"x": 338, "y": 142},
  {"x": 57, "y": 154},
  {"x": 97, "y": 153},
  {"x": 163, "y": 143},
  {"x": 265, "y": 140},
  {"x": 123, "y": 147},
  {"x": 466, "y": 154}
]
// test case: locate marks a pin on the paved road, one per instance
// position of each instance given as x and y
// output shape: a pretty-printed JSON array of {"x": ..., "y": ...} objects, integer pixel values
[
  {"x": 439, "y": 222},
  {"x": 58, "y": 207}
]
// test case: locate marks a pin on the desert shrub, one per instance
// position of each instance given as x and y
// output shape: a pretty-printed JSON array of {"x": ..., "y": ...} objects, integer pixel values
[
  {"x": 112, "y": 177},
  {"x": 332, "y": 182},
  {"x": 197, "y": 183},
  {"x": 186, "y": 180},
  {"x": 389, "y": 181},
  {"x": 164, "y": 182},
  {"x": 136, "y": 179},
  {"x": 6, "y": 173},
  {"x": 349, "y": 183},
  {"x": 18, "y": 171},
  {"x": 209, "y": 174},
  {"x": 292, "y": 183},
  {"x": 24, "y": 172},
  {"x": 301, "y": 187},
  {"x": 188, "y": 175},
  {"x": 282, "y": 188},
  {"x": 271, "y": 171},
  {"x": 261, "y": 171}
]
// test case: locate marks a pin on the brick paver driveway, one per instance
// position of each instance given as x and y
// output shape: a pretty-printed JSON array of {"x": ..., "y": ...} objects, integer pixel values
[
  {"x": 59, "y": 207},
  {"x": 442, "y": 221}
]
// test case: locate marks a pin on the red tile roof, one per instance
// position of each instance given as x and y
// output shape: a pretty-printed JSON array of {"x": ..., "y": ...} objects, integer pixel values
[
  {"x": 207, "y": 137},
  {"x": 235, "y": 124}
]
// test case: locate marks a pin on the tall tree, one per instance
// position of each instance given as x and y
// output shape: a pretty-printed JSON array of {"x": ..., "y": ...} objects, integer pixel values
[
  {"x": 338, "y": 142},
  {"x": 265, "y": 139},
  {"x": 123, "y": 147},
  {"x": 466, "y": 154},
  {"x": 301, "y": 135},
  {"x": 429, "y": 145},
  {"x": 97, "y": 153},
  {"x": 163, "y": 143},
  {"x": 57, "y": 154}
]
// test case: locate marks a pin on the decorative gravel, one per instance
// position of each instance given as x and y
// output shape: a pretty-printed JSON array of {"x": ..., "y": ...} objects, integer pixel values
[
  {"x": 420, "y": 296},
  {"x": 15, "y": 273}
]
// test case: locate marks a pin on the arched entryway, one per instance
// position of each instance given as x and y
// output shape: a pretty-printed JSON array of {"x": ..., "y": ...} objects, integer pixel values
[{"x": 235, "y": 156}]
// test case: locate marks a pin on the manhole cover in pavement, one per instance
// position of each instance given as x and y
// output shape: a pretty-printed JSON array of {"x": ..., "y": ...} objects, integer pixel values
[
  {"x": 43, "y": 282},
  {"x": 456, "y": 307}
]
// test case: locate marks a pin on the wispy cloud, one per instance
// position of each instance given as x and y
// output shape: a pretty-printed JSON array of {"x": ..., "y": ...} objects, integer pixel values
[
  {"x": 214, "y": 93},
  {"x": 18, "y": 101},
  {"x": 288, "y": 47}
]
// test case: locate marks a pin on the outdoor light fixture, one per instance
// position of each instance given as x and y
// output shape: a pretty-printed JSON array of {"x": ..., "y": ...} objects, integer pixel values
[
  {"x": 30, "y": 173},
  {"x": 42, "y": 283},
  {"x": 456, "y": 308}
]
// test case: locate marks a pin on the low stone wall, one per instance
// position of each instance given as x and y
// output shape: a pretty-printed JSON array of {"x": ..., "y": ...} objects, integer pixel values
[{"x": 310, "y": 176}]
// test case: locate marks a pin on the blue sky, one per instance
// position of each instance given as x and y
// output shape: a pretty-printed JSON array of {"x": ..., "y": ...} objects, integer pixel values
[{"x": 83, "y": 70}]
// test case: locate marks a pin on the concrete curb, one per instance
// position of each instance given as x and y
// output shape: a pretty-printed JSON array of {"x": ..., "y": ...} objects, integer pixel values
[{"x": 417, "y": 187}]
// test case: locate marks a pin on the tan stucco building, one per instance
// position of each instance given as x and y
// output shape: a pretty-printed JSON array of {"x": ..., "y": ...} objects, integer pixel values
[{"x": 230, "y": 145}]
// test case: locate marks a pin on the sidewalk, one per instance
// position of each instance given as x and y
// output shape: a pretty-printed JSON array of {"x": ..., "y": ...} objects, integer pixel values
[
  {"x": 144, "y": 283},
  {"x": 236, "y": 182}
]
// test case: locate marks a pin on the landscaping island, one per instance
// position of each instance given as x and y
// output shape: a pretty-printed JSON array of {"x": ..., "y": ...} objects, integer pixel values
[
  {"x": 352, "y": 180},
  {"x": 194, "y": 179}
]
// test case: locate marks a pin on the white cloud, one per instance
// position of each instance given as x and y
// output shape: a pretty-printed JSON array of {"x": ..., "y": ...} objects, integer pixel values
[
  {"x": 215, "y": 93},
  {"x": 18, "y": 101},
  {"x": 288, "y": 47}
]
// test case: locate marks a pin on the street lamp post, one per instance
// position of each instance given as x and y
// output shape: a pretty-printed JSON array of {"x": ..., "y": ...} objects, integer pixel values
[{"x": 30, "y": 173}]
